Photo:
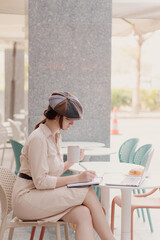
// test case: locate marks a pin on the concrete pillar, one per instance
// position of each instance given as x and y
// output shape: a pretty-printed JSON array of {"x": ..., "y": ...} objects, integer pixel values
[
  {"x": 69, "y": 50},
  {"x": 19, "y": 81}
]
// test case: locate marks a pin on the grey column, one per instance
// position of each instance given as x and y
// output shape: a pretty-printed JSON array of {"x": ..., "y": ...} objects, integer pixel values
[
  {"x": 18, "y": 73},
  {"x": 69, "y": 50}
]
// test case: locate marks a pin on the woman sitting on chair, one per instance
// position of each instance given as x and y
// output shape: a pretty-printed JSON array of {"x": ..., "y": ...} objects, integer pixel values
[{"x": 40, "y": 192}]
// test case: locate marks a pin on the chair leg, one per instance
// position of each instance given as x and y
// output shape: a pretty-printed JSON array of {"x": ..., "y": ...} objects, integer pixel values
[
  {"x": 112, "y": 215},
  {"x": 143, "y": 216},
  {"x": 2, "y": 228},
  {"x": 66, "y": 231},
  {"x": 11, "y": 231},
  {"x": 99, "y": 193},
  {"x": 148, "y": 215},
  {"x": 42, "y": 233},
  {"x": 58, "y": 233},
  {"x": 149, "y": 219},
  {"x": 142, "y": 211},
  {"x": 33, "y": 233},
  {"x": 138, "y": 214}
]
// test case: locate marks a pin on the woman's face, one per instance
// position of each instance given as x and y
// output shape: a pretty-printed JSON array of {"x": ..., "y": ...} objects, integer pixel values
[{"x": 67, "y": 122}]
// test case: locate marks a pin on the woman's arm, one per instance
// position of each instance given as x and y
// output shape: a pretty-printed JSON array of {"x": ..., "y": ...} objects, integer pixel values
[
  {"x": 82, "y": 177},
  {"x": 67, "y": 165}
]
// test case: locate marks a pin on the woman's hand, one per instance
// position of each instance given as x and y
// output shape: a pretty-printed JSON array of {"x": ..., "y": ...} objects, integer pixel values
[
  {"x": 87, "y": 176},
  {"x": 81, "y": 154}
]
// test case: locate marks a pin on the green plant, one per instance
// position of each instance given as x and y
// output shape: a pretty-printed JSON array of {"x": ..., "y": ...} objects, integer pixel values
[
  {"x": 120, "y": 97},
  {"x": 150, "y": 99}
]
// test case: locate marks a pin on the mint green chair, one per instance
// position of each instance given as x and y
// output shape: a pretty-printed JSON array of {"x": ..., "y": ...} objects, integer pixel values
[
  {"x": 127, "y": 150},
  {"x": 140, "y": 157},
  {"x": 17, "y": 148},
  {"x": 128, "y": 154}
]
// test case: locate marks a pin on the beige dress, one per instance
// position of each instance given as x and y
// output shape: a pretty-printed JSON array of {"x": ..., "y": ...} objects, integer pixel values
[{"x": 40, "y": 199}]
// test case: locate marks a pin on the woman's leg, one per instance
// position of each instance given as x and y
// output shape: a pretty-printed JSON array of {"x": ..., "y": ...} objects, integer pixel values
[
  {"x": 98, "y": 218},
  {"x": 80, "y": 215}
]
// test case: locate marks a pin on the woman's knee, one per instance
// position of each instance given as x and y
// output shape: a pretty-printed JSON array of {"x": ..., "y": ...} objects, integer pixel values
[
  {"x": 83, "y": 215},
  {"x": 78, "y": 214}
]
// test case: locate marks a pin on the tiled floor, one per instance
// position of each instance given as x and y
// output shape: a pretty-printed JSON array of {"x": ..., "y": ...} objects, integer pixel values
[{"x": 127, "y": 130}]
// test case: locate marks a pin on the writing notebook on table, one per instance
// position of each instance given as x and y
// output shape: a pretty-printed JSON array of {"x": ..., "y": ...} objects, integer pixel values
[{"x": 95, "y": 181}]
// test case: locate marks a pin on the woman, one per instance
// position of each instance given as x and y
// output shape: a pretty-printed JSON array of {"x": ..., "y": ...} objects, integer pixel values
[{"x": 40, "y": 192}]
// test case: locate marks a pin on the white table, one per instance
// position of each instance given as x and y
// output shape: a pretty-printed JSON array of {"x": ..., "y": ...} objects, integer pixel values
[
  {"x": 103, "y": 151},
  {"x": 151, "y": 182},
  {"x": 83, "y": 144}
]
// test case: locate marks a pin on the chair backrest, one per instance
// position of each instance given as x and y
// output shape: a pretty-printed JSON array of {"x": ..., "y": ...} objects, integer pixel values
[
  {"x": 127, "y": 150},
  {"x": 7, "y": 179},
  {"x": 17, "y": 133},
  {"x": 141, "y": 155},
  {"x": 3, "y": 135},
  {"x": 17, "y": 148}
]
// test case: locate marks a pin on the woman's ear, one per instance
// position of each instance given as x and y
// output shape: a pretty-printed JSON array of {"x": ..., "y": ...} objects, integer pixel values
[{"x": 57, "y": 117}]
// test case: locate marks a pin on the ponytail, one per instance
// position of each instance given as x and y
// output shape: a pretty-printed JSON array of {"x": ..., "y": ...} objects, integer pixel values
[
  {"x": 50, "y": 114},
  {"x": 42, "y": 121}
]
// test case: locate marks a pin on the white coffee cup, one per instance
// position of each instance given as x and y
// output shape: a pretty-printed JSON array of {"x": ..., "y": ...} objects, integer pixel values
[{"x": 73, "y": 154}]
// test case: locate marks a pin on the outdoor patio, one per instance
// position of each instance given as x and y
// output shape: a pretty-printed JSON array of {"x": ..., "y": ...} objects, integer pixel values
[
  {"x": 141, "y": 229},
  {"x": 73, "y": 47}
]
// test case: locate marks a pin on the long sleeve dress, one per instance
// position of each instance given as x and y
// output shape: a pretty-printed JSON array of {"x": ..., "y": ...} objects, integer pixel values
[{"x": 39, "y": 199}]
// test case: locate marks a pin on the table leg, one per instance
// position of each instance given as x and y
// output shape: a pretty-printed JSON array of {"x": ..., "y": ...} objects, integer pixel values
[
  {"x": 105, "y": 201},
  {"x": 126, "y": 214}
]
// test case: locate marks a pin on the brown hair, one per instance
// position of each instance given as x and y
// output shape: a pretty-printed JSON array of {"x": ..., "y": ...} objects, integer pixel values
[{"x": 49, "y": 113}]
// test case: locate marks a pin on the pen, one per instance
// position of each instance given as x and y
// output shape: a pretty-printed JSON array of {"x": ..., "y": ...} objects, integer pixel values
[
  {"x": 83, "y": 166},
  {"x": 101, "y": 177}
]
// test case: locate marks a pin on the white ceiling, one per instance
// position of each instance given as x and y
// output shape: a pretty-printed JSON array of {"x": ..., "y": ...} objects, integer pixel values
[
  {"x": 12, "y": 20},
  {"x": 143, "y": 14},
  {"x": 16, "y": 7},
  {"x": 140, "y": 9}
]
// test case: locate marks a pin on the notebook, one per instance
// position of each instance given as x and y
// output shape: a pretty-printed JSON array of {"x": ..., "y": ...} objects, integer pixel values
[
  {"x": 96, "y": 181},
  {"x": 129, "y": 180}
]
